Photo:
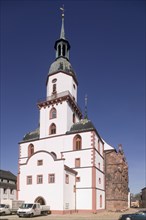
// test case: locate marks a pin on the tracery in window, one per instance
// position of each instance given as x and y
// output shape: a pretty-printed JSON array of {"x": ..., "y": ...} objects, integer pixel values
[
  {"x": 77, "y": 142},
  {"x": 52, "y": 129},
  {"x": 53, "y": 113}
]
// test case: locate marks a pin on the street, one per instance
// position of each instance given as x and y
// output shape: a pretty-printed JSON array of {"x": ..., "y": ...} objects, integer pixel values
[{"x": 100, "y": 216}]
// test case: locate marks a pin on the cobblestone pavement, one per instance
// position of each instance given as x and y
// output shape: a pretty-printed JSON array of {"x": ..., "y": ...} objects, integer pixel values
[{"x": 99, "y": 216}]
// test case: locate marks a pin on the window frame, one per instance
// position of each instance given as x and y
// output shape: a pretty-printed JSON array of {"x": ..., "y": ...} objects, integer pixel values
[
  {"x": 29, "y": 180},
  {"x": 52, "y": 129},
  {"x": 51, "y": 178},
  {"x": 39, "y": 162},
  {"x": 39, "y": 179},
  {"x": 77, "y": 162}
]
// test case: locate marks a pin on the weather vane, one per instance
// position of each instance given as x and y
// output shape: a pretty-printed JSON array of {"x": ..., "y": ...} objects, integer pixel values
[{"x": 62, "y": 10}]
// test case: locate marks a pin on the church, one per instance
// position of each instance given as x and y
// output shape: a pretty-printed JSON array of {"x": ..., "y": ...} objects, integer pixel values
[{"x": 65, "y": 163}]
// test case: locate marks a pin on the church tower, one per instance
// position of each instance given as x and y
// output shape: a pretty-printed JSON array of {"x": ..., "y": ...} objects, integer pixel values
[
  {"x": 65, "y": 163},
  {"x": 61, "y": 94}
]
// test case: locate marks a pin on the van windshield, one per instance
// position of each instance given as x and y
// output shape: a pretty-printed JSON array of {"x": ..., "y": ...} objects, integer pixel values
[
  {"x": 2, "y": 205},
  {"x": 26, "y": 205}
]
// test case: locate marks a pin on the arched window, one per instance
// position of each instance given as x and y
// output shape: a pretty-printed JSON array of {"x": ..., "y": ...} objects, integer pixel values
[
  {"x": 30, "y": 150},
  {"x": 52, "y": 129},
  {"x": 53, "y": 113},
  {"x": 59, "y": 50},
  {"x": 54, "y": 88},
  {"x": 100, "y": 201},
  {"x": 63, "y": 50},
  {"x": 77, "y": 142}
]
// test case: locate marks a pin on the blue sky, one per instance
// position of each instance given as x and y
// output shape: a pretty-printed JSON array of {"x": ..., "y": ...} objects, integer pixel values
[{"x": 108, "y": 55}]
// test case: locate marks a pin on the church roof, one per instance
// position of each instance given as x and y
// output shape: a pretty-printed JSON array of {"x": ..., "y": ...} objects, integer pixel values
[
  {"x": 62, "y": 64},
  {"x": 33, "y": 135},
  {"x": 81, "y": 126}
]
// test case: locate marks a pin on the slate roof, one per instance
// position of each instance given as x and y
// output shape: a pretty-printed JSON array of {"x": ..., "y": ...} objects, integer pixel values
[
  {"x": 7, "y": 175},
  {"x": 33, "y": 135},
  {"x": 81, "y": 126},
  {"x": 62, "y": 64}
]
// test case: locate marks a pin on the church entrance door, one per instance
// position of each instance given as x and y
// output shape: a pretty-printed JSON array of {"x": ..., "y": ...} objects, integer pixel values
[{"x": 40, "y": 200}]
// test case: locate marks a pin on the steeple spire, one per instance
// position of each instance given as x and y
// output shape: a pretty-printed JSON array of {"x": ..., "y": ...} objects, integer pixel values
[
  {"x": 62, "y": 33},
  {"x": 62, "y": 45}
]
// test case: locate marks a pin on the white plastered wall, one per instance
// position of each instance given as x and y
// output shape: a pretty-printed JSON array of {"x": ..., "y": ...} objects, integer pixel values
[
  {"x": 48, "y": 191},
  {"x": 64, "y": 83}
]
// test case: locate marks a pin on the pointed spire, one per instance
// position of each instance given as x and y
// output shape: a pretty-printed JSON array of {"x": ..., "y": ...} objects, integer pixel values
[
  {"x": 62, "y": 33},
  {"x": 85, "y": 114}
]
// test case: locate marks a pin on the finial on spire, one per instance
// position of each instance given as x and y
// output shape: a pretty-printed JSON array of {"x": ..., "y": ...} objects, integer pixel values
[
  {"x": 85, "y": 115},
  {"x": 62, "y": 34},
  {"x": 62, "y": 10}
]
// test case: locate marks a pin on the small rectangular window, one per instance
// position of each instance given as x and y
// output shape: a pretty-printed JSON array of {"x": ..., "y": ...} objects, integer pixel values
[
  {"x": 74, "y": 188},
  {"x": 5, "y": 191},
  {"x": 12, "y": 191},
  {"x": 51, "y": 178},
  {"x": 77, "y": 162},
  {"x": 78, "y": 179},
  {"x": 39, "y": 179},
  {"x": 99, "y": 166},
  {"x": 40, "y": 162},
  {"x": 29, "y": 180},
  {"x": 67, "y": 179}
]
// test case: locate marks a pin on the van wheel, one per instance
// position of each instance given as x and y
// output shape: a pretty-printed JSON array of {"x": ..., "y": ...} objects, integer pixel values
[{"x": 31, "y": 215}]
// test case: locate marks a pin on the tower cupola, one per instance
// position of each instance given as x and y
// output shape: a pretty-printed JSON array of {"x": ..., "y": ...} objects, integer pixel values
[{"x": 62, "y": 46}]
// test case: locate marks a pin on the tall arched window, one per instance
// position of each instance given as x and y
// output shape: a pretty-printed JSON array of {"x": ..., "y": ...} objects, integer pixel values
[
  {"x": 53, "y": 113},
  {"x": 30, "y": 150},
  {"x": 100, "y": 201},
  {"x": 63, "y": 50},
  {"x": 52, "y": 129},
  {"x": 54, "y": 88},
  {"x": 59, "y": 50},
  {"x": 77, "y": 142}
]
